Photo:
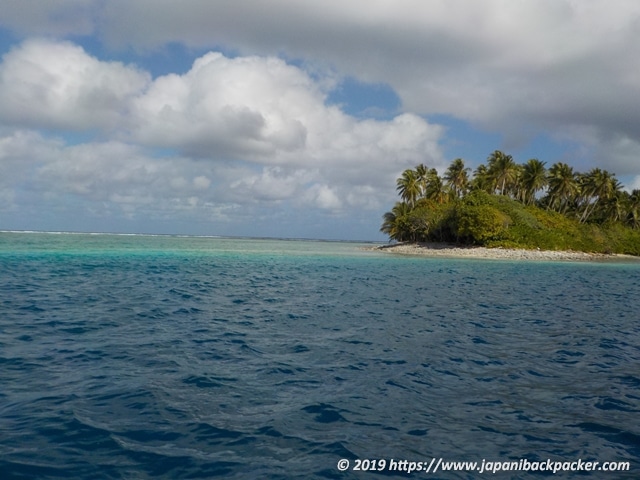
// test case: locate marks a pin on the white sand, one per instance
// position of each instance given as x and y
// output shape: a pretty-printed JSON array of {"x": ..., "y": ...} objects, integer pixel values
[{"x": 449, "y": 250}]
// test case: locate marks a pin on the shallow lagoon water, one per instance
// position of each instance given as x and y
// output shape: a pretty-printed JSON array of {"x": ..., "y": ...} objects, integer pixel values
[{"x": 189, "y": 357}]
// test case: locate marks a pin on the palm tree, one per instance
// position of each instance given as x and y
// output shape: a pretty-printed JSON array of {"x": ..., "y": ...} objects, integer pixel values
[
  {"x": 392, "y": 222},
  {"x": 534, "y": 179},
  {"x": 502, "y": 170},
  {"x": 633, "y": 215},
  {"x": 616, "y": 208},
  {"x": 436, "y": 189},
  {"x": 617, "y": 201},
  {"x": 597, "y": 186},
  {"x": 422, "y": 172},
  {"x": 457, "y": 177},
  {"x": 562, "y": 186},
  {"x": 408, "y": 186},
  {"x": 516, "y": 190},
  {"x": 481, "y": 180}
]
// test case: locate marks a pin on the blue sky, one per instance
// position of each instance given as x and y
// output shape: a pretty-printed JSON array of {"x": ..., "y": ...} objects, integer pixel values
[{"x": 292, "y": 118}]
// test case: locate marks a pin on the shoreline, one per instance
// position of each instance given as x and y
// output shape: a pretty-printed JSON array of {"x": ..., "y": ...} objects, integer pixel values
[{"x": 433, "y": 249}]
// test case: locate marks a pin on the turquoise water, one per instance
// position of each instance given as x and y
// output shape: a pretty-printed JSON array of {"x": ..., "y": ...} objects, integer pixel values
[{"x": 188, "y": 357}]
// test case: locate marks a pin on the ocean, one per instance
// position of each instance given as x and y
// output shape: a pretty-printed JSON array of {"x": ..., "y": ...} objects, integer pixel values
[{"x": 153, "y": 357}]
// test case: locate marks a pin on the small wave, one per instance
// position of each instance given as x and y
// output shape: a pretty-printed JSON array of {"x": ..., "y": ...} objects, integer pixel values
[{"x": 325, "y": 413}]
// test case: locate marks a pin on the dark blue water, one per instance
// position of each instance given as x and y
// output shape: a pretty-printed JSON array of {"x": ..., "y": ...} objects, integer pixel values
[{"x": 163, "y": 357}]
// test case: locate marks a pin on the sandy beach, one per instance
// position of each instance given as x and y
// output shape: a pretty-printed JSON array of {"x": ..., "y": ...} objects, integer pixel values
[{"x": 458, "y": 251}]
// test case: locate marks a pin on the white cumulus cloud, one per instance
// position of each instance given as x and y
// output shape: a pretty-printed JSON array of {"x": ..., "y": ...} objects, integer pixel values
[
  {"x": 59, "y": 86},
  {"x": 521, "y": 68},
  {"x": 243, "y": 132},
  {"x": 257, "y": 120}
]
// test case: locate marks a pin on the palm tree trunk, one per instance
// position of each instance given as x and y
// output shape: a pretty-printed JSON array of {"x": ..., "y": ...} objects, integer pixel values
[{"x": 593, "y": 207}]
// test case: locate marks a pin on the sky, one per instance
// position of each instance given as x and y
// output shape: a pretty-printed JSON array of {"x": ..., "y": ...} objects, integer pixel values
[{"x": 293, "y": 119}]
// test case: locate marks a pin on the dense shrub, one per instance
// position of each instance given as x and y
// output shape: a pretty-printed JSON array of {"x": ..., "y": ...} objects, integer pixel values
[{"x": 481, "y": 223}]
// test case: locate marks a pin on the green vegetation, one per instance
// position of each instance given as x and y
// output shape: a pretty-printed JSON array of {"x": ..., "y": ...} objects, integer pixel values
[{"x": 508, "y": 205}]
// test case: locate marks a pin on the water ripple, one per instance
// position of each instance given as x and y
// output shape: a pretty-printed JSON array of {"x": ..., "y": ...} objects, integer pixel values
[{"x": 190, "y": 361}]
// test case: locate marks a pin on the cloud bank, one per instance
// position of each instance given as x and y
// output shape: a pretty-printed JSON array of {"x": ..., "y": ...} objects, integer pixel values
[
  {"x": 252, "y": 120},
  {"x": 238, "y": 133}
]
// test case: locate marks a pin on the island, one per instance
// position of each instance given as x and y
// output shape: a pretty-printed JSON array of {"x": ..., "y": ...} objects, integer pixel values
[{"x": 510, "y": 210}]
